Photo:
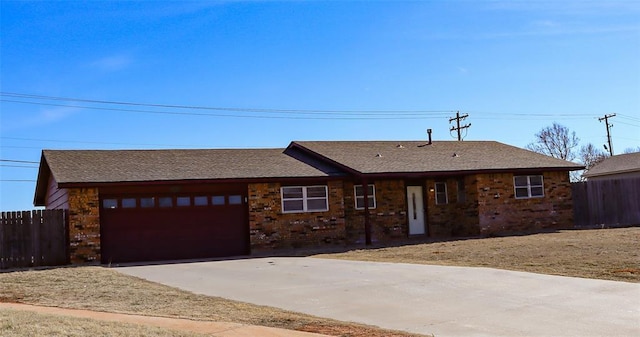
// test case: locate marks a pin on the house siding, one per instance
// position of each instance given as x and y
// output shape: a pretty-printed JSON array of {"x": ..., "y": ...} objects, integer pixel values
[
  {"x": 270, "y": 228},
  {"x": 453, "y": 218},
  {"x": 388, "y": 220},
  {"x": 489, "y": 208},
  {"x": 56, "y": 198},
  {"x": 84, "y": 225},
  {"x": 501, "y": 213}
]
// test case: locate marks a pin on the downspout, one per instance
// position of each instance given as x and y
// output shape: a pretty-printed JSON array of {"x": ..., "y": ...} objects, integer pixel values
[{"x": 367, "y": 222}]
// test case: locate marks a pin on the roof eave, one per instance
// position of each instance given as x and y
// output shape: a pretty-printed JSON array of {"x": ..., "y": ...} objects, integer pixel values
[
  {"x": 425, "y": 174},
  {"x": 608, "y": 173},
  {"x": 196, "y": 181}
]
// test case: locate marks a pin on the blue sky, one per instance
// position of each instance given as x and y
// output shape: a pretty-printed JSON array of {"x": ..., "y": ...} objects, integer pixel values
[{"x": 350, "y": 70}]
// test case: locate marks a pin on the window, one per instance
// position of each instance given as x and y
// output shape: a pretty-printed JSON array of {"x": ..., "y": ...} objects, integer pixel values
[
  {"x": 217, "y": 200},
  {"x": 304, "y": 199},
  {"x": 528, "y": 186},
  {"x": 129, "y": 203},
  {"x": 462, "y": 198},
  {"x": 235, "y": 200},
  {"x": 165, "y": 202},
  {"x": 110, "y": 203},
  {"x": 371, "y": 196},
  {"x": 147, "y": 202},
  {"x": 441, "y": 193},
  {"x": 183, "y": 201},
  {"x": 201, "y": 201}
]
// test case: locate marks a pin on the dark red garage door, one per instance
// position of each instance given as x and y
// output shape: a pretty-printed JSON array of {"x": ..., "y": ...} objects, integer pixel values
[{"x": 173, "y": 227}]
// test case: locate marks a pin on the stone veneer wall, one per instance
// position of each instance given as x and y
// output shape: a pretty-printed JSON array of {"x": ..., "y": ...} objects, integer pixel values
[
  {"x": 501, "y": 213},
  {"x": 456, "y": 217},
  {"x": 270, "y": 228},
  {"x": 84, "y": 225},
  {"x": 388, "y": 220}
]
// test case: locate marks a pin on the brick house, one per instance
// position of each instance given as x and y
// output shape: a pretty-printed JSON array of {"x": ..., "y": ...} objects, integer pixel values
[{"x": 143, "y": 205}]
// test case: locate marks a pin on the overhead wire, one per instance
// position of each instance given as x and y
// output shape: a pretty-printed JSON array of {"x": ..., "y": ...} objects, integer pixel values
[
  {"x": 289, "y": 113},
  {"x": 18, "y": 166},
  {"x": 271, "y": 113},
  {"x": 310, "y": 115},
  {"x": 262, "y": 113},
  {"x": 86, "y": 142},
  {"x": 19, "y": 161}
]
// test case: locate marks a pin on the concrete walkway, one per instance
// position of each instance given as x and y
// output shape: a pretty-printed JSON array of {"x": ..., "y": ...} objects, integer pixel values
[
  {"x": 217, "y": 329},
  {"x": 445, "y": 301}
]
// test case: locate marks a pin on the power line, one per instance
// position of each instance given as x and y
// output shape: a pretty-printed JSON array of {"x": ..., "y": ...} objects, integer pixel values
[
  {"x": 318, "y": 114},
  {"x": 19, "y": 161},
  {"x": 235, "y": 109},
  {"x": 18, "y": 180},
  {"x": 629, "y": 117},
  {"x": 337, "y": 116},
  {"x": 18, "y": 166},
  {"x": 532, "y": 114},
  {"x": 297, "y": 111},
  {"x": 87, "y": 142}
]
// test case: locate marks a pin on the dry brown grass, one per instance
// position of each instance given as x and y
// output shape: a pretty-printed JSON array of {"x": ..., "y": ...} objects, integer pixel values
[
  {"x": 103, "y": 289},
  {"x": 610, "y": 254},
  {"x": 15, "y": 323}
]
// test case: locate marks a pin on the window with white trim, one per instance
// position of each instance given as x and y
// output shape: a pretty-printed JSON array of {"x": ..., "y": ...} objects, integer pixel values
[
  {"x": 296, "y": 199},
  {"x": 359, "y": 193},
  {"x": 441, "y": 193},
  {"x": 528, "y": 186}
]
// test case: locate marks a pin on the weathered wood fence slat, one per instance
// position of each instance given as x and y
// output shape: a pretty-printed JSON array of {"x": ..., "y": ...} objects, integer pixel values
[
  {"x": 33, "y": 238},
  {"x": 606, "y": 203}
]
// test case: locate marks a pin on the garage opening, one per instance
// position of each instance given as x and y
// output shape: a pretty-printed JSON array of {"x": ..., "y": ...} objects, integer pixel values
[{"x": 138, "y": 228}]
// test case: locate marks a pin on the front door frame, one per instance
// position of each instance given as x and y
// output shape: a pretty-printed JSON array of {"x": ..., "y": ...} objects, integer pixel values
[{"x": 425, "y": 229}]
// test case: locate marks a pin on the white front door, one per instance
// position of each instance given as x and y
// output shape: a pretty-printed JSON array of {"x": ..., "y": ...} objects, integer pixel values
[{"x": 415, "y": 210}]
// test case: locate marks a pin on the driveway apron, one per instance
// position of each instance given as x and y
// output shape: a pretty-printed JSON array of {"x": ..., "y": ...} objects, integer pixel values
[{"x": 439, "y": 300}]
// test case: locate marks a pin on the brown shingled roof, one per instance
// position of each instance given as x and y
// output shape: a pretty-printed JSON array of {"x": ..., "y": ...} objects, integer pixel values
[
  {"x": 622, "y": 163},
  {"x": 372, "y": 157},
  {"x": 299, "y": 160},
  {"x": 107, "y": 166}
]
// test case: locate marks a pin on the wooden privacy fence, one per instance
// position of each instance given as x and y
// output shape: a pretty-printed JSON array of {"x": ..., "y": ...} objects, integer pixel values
[
  {"x": 606, "y": 203},
  {"x": 33, "y": 238}
]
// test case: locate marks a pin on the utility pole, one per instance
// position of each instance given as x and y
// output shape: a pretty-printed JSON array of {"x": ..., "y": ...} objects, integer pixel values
[
  {"x": 609, "y": 126},
  {"x": 458, "y": 128}
]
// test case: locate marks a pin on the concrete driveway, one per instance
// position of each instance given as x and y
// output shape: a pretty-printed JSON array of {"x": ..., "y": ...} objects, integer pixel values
[{"x": 444, "y": 301}]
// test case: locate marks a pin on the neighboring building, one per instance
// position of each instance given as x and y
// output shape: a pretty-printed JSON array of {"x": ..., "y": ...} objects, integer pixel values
[
  {"x": 616, "y": 167},
  {"x": 143, "y": 205}
]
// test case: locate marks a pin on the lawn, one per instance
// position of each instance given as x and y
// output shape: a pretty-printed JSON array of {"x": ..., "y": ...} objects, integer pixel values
[
  {"x": 104, "y": 289},
  {"x": 609, "y": 254},
  {"x": 23, "y": 323}
]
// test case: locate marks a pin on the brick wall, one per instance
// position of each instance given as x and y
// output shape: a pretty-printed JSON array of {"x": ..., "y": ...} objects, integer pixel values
[
  {"x": 459, "y": 216},
  {"x": 270, "y": 228},
  {"x": 84, "y": 225},
  {"x": 489, "y": 207},
  {"x": 500, "y": 212},
  {"x": 388, "y": 220}
]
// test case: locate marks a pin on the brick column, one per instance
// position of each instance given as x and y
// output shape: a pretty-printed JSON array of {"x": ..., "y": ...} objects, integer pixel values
[{"x": 84, "y": 225}]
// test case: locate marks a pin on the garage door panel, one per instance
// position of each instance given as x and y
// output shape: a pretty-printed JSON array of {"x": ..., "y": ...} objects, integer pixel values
[{"x": 148, "y": 234}]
